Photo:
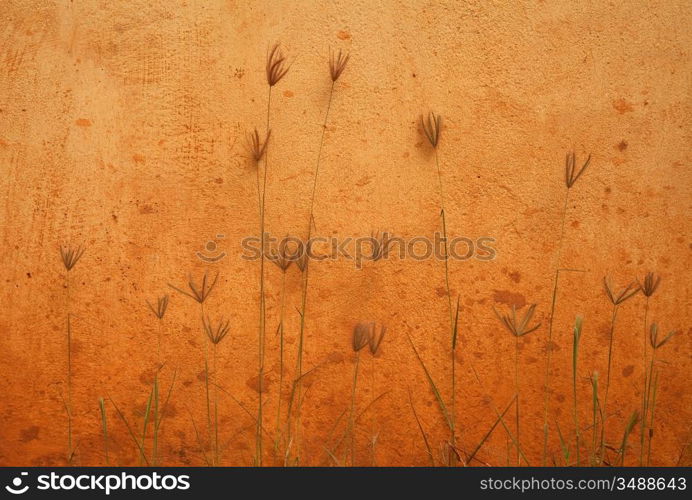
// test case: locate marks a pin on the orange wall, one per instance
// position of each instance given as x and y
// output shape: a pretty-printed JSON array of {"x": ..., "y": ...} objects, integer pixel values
[{"x": 122, "y": 127}]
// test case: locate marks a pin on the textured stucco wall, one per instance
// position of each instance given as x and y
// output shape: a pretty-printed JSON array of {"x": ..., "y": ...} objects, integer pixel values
[{"x": 122, "y": 127}]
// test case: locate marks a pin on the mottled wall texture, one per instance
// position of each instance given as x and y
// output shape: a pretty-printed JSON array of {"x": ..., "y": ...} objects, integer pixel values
[{"x": 123, "y": 128}]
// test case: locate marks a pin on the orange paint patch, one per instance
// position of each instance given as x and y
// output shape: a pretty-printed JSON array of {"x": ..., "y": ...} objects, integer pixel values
[
  {"x": 622, "y": 106},
  {"x": 343, "y": 35},
  {"x": 509, "y": 298},
  {"x": 288, "y": 93},
  {"x": 83, "y": 122},
  {"x": 138, "y": 158}
]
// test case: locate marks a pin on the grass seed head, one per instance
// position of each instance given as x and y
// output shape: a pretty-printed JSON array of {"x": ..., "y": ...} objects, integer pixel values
[
  {"x": 653, "y": 337},
  {"x": 571, "y": 174},
  {"x": 650, "y": 284},
  {"x": 361, "y": 335},
  {"x": 276, "y": 65},
  {"x": 376, "y": 340},
  {"x": 216, "y": 333},
  {"x": 432, "y": 128},
  {"x": 256, "y": 146},
  {"x": 617, "y": 298},
  {"x": 515, "y": 326},
  {"x": 337, "y": 64},
  {"x": 199, "y": 293},
  {"x": 161, "y": 306},
  {"x": 70, "y": 256}
]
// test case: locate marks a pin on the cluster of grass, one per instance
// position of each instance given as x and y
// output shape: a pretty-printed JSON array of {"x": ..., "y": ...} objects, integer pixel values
[{"x": 341, "y": 447}]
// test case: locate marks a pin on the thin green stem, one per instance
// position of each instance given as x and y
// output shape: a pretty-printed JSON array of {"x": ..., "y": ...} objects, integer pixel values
[
  {"x": 549, "y": 342},
  {"x": 262, "y": 315},
  {"x": 607, "y": 389},
  {"x": 216, "y": 410},
  {"x": 155, "y": 445},
  {"x": 277, "y": 437},
  {"x": 642, "y": 438},
  {"x": 575, "y": 358},
  {"x": 69, "y": 374},
  {"x": 651, "y": 424},
  {"x": 351, "y": 417},
  {"x": 297, "y": 385},
  {"x": 516, "y": 392},
  {"x": 104, "y": 428},
  {"x": 449, "y": 304}
]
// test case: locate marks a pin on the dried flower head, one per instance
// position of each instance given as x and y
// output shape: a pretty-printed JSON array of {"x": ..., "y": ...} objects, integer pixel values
[
  {"x": 70, "y": 256},
  {"x": 517, "y": 327},
  {"x": 161, "y": 306},
  {"x": 337, "y": 64},
  {"x": 380, "y": 244},
  {"x": 199, "y": 293},
  {"x": 286, "y": 254},
  {"x": 216, "y": 334},
  {"x": 376, "y": 340},
  {"x": 653, "y": 336},
  {"x": 303, "y": 256},
  {"x": 618, "y": 298},
  {"x": 361, "y": 335},
  {"x": 431, "y": 128},
  {"x": 651, "y": 282},
  {"x": 571, "y": 175},
  {"x": 276, "y": 65},
  {"x": 256, "y": 146}
]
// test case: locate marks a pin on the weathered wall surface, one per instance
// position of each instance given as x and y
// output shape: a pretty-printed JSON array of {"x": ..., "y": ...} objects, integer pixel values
[{"x": 122, "y": 127}]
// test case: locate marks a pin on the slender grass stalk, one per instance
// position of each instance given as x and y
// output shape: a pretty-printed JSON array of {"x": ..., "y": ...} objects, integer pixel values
[
  {"x": 610, "y": 356},
  {"x": 147, "y": 412},
  {"x": 616, "y": 300},
  {"x": 576, "y": 337},
  {"x": 432, "y": 130},
  {"x": 263, "y": 311},
  {"x": 364, "y": 334},
  {"x": 564, "y": 445},
  {"x": 549, "y": 341},
  {"x": 135, "y": 439},
  {"x": 70, "y": 257},
  {"x": 642, "y": 437},
  {"x": 490, "y": 431},
  {"x": 651, "y": 423},
  {"x": 500, "y": 417},
  {"x": 648, "y": 287},
  {"x": 351, "y": 422},
  {"x": 70, "y": 449},
  {"x": 159, "y": 415},
  {"x": 572, "y": 174},
  {"x": 200, "y": 293},
  {"x": 518, "y": 328},
  {"x": 215, "y": 334},
  {"x": 337, "y": 64},
  {"x": 280, "y": 331},
  {"x": 104, "y": 428},
  {"x": 634, "y": 418},
  {"x": 276, "y": 69},
  {"x": 516, "y": 392},
  {"x": 155, "y": 444},
  {"x": 433, "y": 386},
  {"x": 358, "y": 417},
  {"x": 596, "y": 412},
  {"x": 207, "y": 395},
  {"x": 216, "y": 411},
  {"x": 652, "y": 382},
  {"x": 422, "y": 431}
]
